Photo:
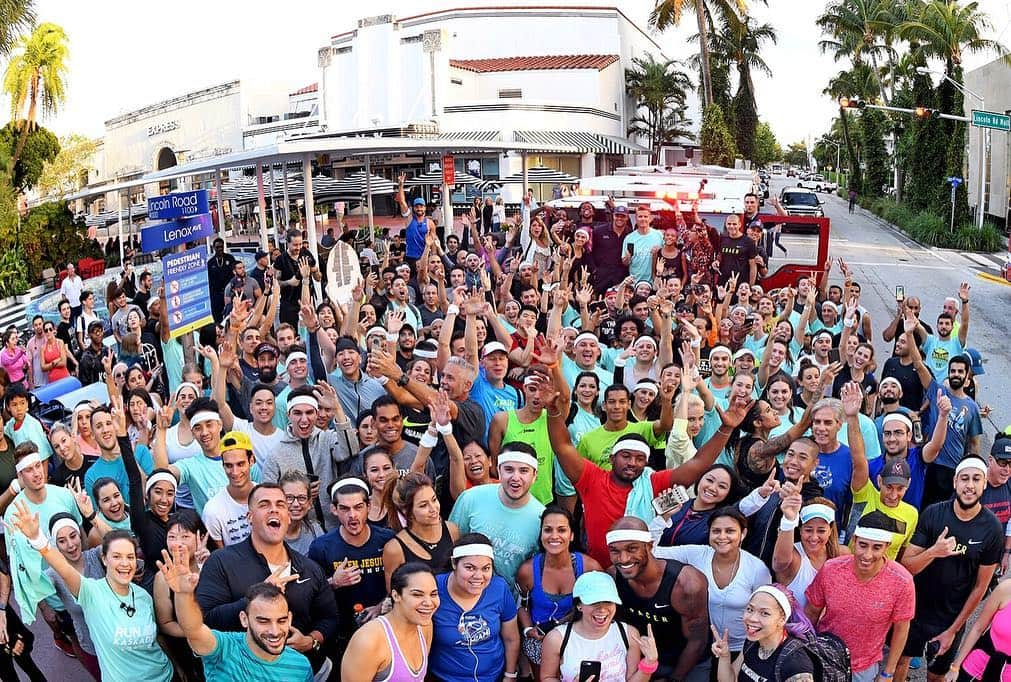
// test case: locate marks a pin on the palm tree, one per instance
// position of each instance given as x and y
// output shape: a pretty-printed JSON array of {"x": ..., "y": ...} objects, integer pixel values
[
  {"x": 15, "y": 17},
  {"x": 741, "y": 41},
  {"x": 36, "y": 76},
  {"x": 667, "y": 13},
  {"x": 659, "y": 90},
  {"x": 859, "y": 30}
]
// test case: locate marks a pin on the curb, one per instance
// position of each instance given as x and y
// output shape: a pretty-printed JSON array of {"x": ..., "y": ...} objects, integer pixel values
[{"x": 993, "y": 278}]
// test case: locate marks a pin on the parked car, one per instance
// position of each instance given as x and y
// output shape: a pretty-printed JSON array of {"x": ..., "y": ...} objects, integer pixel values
[
  {"x": 818, "y": 183},
  {"x": 791, "y": 173}
]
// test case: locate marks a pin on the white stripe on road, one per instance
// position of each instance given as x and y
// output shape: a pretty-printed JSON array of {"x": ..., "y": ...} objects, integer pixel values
[
  {"x": 979, "y": 260},
  {"x": 904, "y": 265}
]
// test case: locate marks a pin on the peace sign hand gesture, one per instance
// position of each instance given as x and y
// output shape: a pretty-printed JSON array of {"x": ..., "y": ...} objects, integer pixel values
[
  {"x": 84, "y": 504},
  {"x": 721, "y": 644},
  {"x": 176, "y": 570}
]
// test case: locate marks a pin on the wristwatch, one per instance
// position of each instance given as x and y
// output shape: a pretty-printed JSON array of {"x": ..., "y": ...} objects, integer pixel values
[
  {"x": 315, "y": 643},
  {"x": 403, "y": 380}
]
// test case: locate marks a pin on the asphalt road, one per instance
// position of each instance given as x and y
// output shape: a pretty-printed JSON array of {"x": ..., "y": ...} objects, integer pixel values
[{"x": 880, "y": 258}]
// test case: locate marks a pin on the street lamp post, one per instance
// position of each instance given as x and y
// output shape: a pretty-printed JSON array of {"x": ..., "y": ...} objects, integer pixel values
[
  {"x": 838, "y": 151},
  {"x": 983, "y": 140}
]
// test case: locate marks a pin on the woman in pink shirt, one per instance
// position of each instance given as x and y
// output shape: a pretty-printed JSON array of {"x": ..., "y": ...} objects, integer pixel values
[{"x": 13, "y": 358}]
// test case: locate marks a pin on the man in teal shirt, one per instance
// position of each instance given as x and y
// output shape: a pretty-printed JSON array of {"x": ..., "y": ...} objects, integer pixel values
[
  {"x": 257, "y": 655},
  {"x": 940, "y": 348},
  {"x": 640, "y": 246}
]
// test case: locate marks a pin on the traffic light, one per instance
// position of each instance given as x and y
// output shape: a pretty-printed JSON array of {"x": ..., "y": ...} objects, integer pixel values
[
  {"x": 925, "y": 113},
  {"x": 852, "y": 103}
]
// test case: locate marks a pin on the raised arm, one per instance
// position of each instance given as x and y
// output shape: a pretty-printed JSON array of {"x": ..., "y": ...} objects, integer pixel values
[
  {"x": 183, "y": 583},
  {"x": 852, "y": 399},
  {"x": 219, "y": 366},
  {"x": 568, "y": 457},
  {"x": 785, "y": 558},
  {"x": 26, "y": 522},
  {"x": 933, "y": 447},
  {"x": 963, "y": 328},
  {"x": 691, "y": 471},
  {"x": 401, "y": 198}
]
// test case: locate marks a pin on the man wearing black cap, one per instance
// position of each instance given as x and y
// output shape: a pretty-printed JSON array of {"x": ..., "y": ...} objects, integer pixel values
[
  {"x": 607, "y": 250},
  {"x": 997, "y": 496},
  {"x": 266, "y": 355},
  {"x": 219, "y": 271},
  {"x": 259, "y": 273}
]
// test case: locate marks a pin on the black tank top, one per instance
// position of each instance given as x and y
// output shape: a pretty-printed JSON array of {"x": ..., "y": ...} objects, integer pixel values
[
  {"x": 441, "y": 553},
  {"x": 657, "y": 611}
]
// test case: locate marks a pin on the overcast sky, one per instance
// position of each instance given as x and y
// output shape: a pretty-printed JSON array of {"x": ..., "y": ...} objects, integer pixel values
[{"x": 126, "y": 54}]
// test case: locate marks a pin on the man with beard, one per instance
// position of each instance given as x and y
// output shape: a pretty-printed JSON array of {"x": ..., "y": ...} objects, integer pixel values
[
  {"x": 258, "y": 653},
  {"x": 940, "y": 348},
  {"x": 630, "y": 486},
  {"x": 821, "y": 346},
  {"x": 529, "y": 424},
  {"x": 997, "y": 496},
  {"x": 264, "y": 557},
  {"x": 954, "y": 552},
  {"x": 910, "y": 306},
  {"x": 507, "y": 513},
  {"x": 265, "y": 355},
  {"x": 293, "y": 269},
  {"x": 906, "y": 367},
  {"x": 608, "y": 250},
  {"x": 406, "y": 339},
  {"x": 964, "y": 430},
  {"x": 897, "y": 441},
  {"x": 220, "y": 269},
  {"x": 388, "y": 421},
  {"x": 419, "y": 225},
  {"x": 351, "y": 557},
  {"x": 663, "y": 594},
  {"x": 397, "y": 302}
]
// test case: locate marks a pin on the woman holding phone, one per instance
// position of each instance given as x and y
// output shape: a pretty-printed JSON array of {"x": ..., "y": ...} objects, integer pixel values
[{"x": 595, "y": 645}]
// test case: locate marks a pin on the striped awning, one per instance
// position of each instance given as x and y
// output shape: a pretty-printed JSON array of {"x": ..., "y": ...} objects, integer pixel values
[
  {"x": 585, "y": 143},
  {"x": 478, "y": 135}
]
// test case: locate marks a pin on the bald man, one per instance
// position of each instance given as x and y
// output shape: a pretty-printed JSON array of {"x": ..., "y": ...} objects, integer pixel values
[{"x": 671, "y": 596}]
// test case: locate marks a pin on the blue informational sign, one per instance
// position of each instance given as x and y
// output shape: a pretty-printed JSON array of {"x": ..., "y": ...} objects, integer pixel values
[
  {"x": 175, "y": 232},
  {"x": 955, "y": 181},
  {"x": 178, "y": 205},
  {"x": 186, "y": 291}
]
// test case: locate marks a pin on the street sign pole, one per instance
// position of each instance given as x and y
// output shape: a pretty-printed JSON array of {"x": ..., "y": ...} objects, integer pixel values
[
  {"x": 955, "y": 182},
  {"x": 986, "y": 121}
]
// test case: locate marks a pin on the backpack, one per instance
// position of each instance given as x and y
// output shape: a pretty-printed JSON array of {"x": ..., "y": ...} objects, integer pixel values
[
  {"x": 621, "y": 631},
  {"x": 830, "y": 655}
]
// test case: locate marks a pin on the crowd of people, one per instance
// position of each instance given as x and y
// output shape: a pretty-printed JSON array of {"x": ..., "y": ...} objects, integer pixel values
[{"x": 555, "y": 447}]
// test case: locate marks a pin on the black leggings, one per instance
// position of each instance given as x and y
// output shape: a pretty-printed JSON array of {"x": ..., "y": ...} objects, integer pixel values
[{"x": 16, "y": 630}]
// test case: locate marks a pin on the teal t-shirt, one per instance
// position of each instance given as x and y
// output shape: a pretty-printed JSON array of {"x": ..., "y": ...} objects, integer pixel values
[
  {"x": 115, "y": 470},
  {"x": 513, "y": 532},
  {"x": 641, "y": 266},
  {"x": 172, "y": 352},
  {"x": 127, "y": 646},
  {"x": 570, "y": 370},
  {"x": 280, "y": 420},
  {"x": 937, "y": 352},
  {"x": 205, "y": 478},
  {"x": 30, "y": 431},
  {"x": 232, "y": 660},
  {"x": 872, "y": 446}
]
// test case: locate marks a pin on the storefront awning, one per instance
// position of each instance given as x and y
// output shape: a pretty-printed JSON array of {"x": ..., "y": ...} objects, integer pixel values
[{"x": 586, "y": 143}]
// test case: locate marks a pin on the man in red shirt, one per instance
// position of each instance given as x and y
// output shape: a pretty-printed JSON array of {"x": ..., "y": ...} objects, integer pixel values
[
  {"x": 859, "y": 596},
  {"x": 609, "y": 495}
]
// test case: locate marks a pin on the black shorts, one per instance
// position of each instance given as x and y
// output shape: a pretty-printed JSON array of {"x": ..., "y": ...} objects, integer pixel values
[{"x": 921, "y": 632}]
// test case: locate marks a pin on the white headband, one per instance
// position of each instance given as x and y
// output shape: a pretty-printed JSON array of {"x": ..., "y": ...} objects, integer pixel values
[
  {"x": 647, "y": 339},
  {"x": 375, "y": 330},
  {"x": 890, "y": 380},
  {"x": 633, "y": 445},
  {"x": 478, "y": 549},
  {"x": 817, "y": 511},
  {"x": 967, "y": 463},
  {"x": 204, "y": 416},
  {"x": 531, "y": 379},
  {"x": 356, "y": 482},
  {"x": 27, "y": 461},
  {"x": 646, "y": 386},
  {"x": 60, "y": 524},
  {"x": 158, "y": 477},
  {"x": 873, "y": 534},
  {"x": 720, "y": 349},
  {"x": 628, "y": 535},
  {"x": 303, "y": 400},
  {"x": 83, "y": 406},
  {"x": 518, "y": 457},
  {"x": 425, "y": 353},
  {"x": 897, "y": 417},
  {"x": 187, "y": 384},
  {"x": 297, "y": 355},
  {"x": 781, "y": 599},
  {"x": 585, "y": 336}
]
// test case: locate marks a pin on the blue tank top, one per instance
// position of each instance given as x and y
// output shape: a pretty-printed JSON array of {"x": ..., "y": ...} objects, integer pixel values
[
  {"x": 545, "y": 607},
  {"x": 687, "y": 527},
  {"x": 415, "y": 236}
]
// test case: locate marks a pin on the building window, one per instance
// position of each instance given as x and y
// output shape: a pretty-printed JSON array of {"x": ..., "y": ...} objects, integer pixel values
[
  {"x": 510, "y": 93},
  {"x": 456, "y": 81},
  {"x": 411, "y": 39}
]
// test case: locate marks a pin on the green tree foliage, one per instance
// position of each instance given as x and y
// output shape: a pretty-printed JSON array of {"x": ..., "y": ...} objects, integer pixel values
[
  {"x": 41, "y": 147},
  {"x": 767, "y": 148},
  {"x": 36, "y": 78},
  {"x": 50, "y": 236},
  {"x": 717, "y": 142},
  {"x": 876, "y": 173},
  {"x": 659, "y": 90},
  {"x": 796, "y": 154},
  {"x": 15, "y": 16},
  {"x": 67, "y": 172}
]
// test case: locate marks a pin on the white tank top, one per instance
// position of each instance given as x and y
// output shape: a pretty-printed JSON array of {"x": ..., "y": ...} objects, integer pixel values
[
  {"x": 805, "y": 576},
  {"x": 177, "y": 451},
  {"x": 610, "y": 650}
]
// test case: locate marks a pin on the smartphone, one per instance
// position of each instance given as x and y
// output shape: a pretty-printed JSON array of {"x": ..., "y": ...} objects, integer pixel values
[
  {"x": 589, "y": 670},
  {"x": 631, "y": 249},
  {"x": 930, "y": 653},
  {"x": 833, "y": 355},
  {"x": 376, "y": 343},
  {"x": 597, "y": 305},
  {"x": 670, "y": 499},
  {"x": 918, "y": 432},
  {"x": 705, "y": 367},
  {"x": 900, "y": 294}
]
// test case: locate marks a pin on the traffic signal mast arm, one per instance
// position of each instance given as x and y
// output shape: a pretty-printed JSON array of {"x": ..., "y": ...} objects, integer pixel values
[{"x": 918, "y": 112}]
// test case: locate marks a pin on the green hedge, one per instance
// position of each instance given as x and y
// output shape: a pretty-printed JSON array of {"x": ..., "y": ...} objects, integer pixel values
[{"x": 928, "y": 228}]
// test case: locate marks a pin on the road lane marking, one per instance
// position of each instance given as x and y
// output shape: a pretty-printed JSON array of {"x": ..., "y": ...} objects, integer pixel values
[
  {"x": 903, "y": 265},
  {"x": 993, "y": 278}
]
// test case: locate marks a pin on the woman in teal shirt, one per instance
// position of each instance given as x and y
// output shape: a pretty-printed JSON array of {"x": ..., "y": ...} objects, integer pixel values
[{"x": 119, "y": 614}]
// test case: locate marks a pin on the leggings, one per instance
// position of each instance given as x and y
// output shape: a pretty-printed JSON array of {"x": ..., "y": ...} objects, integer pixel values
[{"x": 16, "y": 630}]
